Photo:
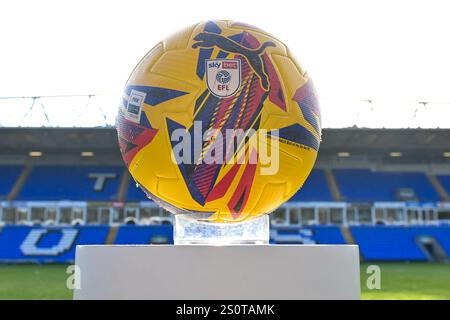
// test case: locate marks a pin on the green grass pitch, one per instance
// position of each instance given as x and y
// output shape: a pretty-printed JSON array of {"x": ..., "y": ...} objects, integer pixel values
[{"x": 398, "y": 281}]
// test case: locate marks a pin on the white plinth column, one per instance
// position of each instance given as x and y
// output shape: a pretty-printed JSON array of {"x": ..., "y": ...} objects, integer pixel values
[{"x": 218, "y": 272}]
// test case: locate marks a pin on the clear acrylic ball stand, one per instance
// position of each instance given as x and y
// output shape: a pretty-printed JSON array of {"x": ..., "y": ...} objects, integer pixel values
[{"x": 189, "y": 230}]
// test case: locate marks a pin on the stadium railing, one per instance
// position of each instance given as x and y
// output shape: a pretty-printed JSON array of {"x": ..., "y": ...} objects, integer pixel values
[{"x": 291, "y": 213}]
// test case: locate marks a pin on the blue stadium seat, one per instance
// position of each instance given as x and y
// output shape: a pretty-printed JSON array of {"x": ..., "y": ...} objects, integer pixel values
[
  {"x": 143, "y": 234},
  {"x": 385, "y": 243},
  {"x": 445, "y": 181},
  {"x": 376, "y": 243},
  {"x": 8, "y": 176},
  {"x": 135, "y": 193},
  {"x": 328, "y": 235},
  {"x": 15, "y": 240},
  {"x": 307, "y": 235},
  {"x": 364, "y": 185},
  {"x": 71, "y": 183},
  {"x": 315, "y": 188}
]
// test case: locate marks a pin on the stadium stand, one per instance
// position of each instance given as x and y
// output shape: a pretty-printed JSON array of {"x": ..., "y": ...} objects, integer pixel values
[
  {"x": 89, "y": 183},
  {"x": 341, "y": 202},
  {"x": 389, "y": 243},
  {"x": 57, "y": 244},
  {"x": 44, "y": 244},
  {"x": 364, "y": 185},
  {"x": 315, "y": 188},
  {"x": 8, "y": 176}
]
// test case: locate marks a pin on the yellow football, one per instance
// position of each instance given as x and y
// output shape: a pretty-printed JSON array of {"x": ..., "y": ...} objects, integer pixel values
[{"x": 219, "y": 121}]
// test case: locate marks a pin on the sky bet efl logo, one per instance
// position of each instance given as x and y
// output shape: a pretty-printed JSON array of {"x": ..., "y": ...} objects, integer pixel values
[{"x": 223, "y": 76}]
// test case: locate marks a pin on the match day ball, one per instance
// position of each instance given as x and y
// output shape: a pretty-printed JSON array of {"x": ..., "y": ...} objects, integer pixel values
[{"x": 220, "y": 122}]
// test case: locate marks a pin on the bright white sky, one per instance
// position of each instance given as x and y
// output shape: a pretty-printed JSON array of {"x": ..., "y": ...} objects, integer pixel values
[{"x": 391, "y": 50}]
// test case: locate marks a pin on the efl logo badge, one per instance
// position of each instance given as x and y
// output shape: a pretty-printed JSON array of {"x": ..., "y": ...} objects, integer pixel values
[{"x": 223, "y": 76}]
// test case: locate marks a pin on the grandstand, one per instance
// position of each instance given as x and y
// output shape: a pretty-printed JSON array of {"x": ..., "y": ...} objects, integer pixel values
[{"x": 384, "y": 189}]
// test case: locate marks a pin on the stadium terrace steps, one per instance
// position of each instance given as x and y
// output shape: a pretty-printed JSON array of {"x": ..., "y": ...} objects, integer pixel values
[
  {"x": 124, "y": 184},
  {"x": 438, "y": 187},
  {"x": 112, "y": 235},
  {"x": 20, "y": 182},
  {"x": 332, "y": 184},
  {"x": 347, "y": 235},
  {"x": 444, "y": 181},
  {"x": 9, "y": 174}
]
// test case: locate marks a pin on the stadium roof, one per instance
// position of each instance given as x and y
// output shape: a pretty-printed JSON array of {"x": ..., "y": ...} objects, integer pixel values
[
  {"x": 387, "y": 145},
  {"x": 100, "y": 111}
]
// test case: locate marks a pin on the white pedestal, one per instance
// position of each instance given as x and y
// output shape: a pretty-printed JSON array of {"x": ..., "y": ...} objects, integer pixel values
[{"x": 218, "y": 272}]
